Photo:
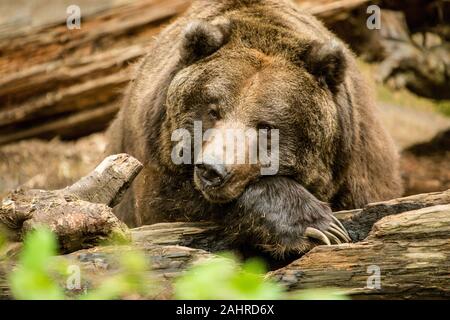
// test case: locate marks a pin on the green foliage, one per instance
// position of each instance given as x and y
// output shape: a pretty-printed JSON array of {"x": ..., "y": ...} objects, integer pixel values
[
  {"x": 2, "y": 246},
  {"x": 444, "y": 107},
  {"x": 2, "y": 241},
  {"x": 37, "y": 274},
  {"x": 131, "y": 280},
  {"x": 32, "y": 278},
  {"x": 222, "y": 278}
]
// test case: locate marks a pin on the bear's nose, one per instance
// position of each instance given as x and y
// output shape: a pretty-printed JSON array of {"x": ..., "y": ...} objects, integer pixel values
[{"x": 211, "y": 175}]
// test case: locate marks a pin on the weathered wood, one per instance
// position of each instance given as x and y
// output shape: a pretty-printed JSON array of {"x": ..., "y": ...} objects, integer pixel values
[
  {"x": 199, "y": 235},
  {"x": 411, "y": 251},
  {"x": 74, "y": 71},
  {"x": 72, "y": 126},
  {"x": 99, "y": 263},
  {"x": 164, "y": 245},
  {"x": 359, "y": 222},
  {"x": 80, "y": 214},
  {"x": 108, "y": 182},
  {"x": 71, "y": 85}
]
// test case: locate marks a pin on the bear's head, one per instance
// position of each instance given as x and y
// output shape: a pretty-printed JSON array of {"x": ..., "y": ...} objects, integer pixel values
[{"x": 250, "y": 101}]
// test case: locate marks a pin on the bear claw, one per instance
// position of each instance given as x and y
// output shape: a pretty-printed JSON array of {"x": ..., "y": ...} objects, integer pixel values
[
  {"x": 339, "y": 224},
  {"x": 339, "y": 232},
  {"x": 317, "y": 234},
  {"x": 336, "y": 234}
]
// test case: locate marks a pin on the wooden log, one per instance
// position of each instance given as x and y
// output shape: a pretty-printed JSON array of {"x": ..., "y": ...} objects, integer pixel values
[
  {"x": 410, "y": 248},
  {"x": 164, "y": 246},
  {"x": 69, "y": 127},
  {"x": 202, "y": 235},
  {"x": 410, "y": 253},
  {"x": 74, "y": 72},
  {"x": 359, "y": 222},
  {"x": 108, "y": 182},
  {"x": 80, "y": 214},
  {"x": 100, "y": 263}
]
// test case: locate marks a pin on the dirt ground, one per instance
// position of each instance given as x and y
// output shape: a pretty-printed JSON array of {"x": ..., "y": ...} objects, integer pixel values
[
  {"x": 410, "y": 126},
  {"x": 39, "y": 164}
]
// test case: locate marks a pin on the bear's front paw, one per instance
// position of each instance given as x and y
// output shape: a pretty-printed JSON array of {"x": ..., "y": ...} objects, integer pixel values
[
  {"x": 282, "y": 217},
  {"x": 302, "y": 234}
]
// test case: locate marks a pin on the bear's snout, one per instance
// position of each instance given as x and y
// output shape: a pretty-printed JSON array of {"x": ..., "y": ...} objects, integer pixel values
[{"x": 211, "y": 174}]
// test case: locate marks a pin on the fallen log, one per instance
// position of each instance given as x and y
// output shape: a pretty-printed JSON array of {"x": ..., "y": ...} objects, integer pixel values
[
  {"x": 23, "y": 209},
  {"x": 71, "y": 85},
  {"x": 359, "y": 222},
  {"x": 410, "y": 247},
  {"x": 80, "y": 215},
  {"x": 405, "y": 256}
]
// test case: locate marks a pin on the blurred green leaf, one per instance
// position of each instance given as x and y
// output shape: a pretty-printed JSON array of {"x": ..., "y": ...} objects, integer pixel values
[
  {"x": 223, "y": 278},
  {"x": 32, "y": 280},
  {"x": 131, "y": 280},
  {"x": 218, "y": 278}
]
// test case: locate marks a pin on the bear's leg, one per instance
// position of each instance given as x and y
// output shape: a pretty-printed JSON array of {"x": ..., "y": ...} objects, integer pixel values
[{"x": 281, "y": 216}]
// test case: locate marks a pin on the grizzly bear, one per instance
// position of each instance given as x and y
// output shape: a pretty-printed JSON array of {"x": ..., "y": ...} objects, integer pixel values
[{"x": 263, "y": 65}]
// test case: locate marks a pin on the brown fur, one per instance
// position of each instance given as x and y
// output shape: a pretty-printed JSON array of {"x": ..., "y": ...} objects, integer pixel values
[{"x": 254, "y": 63}]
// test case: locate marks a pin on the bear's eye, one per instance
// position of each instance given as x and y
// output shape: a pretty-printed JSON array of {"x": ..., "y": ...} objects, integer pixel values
[
  {"x": 213, "y": 112},
  {"x": 264, "y": 125}
]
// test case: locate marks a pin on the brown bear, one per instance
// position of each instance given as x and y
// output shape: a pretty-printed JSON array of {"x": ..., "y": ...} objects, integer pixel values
[{"x": 263, "y": 65}]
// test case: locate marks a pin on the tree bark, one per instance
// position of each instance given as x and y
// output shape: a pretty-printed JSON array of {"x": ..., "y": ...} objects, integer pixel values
[
  {"x": 410, "y": 252},
  {"x": 359, "y": 222}
]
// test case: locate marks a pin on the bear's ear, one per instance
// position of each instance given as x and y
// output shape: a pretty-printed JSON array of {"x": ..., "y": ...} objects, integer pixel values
[
  {"x": 327, "y": 62},
  {"x": 202, "y": 38}
]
